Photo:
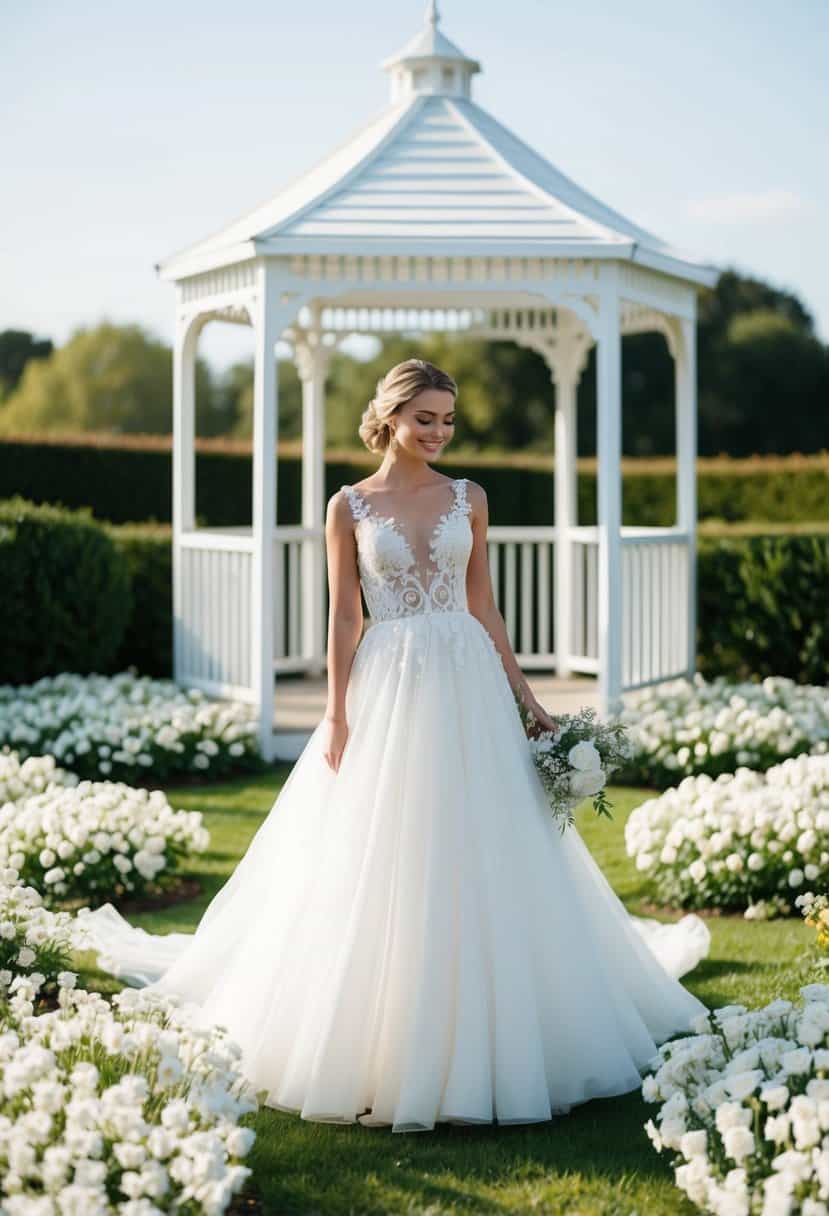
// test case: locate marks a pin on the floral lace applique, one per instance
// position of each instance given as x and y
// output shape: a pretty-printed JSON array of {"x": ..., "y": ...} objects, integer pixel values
[{"x": 392, "y": 584}]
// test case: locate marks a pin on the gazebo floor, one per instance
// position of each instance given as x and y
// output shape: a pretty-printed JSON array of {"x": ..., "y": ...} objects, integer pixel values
[{"x": 299, "y": 703}]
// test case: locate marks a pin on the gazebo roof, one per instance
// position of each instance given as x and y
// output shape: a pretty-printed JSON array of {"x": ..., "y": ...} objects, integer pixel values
[{"x": 435, "y": 174}]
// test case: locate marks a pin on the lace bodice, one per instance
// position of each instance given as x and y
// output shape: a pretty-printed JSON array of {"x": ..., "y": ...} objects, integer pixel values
[{"x": 395, "y": 583}]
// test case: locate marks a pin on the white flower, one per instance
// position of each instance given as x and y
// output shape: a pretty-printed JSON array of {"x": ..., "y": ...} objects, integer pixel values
[
  {"x": 738, "y": 1143},
  {"x": 586, "y": 783},
  {"x": 775, "y": 1096},
  {"x": 744, "y": 1083},
  {"x": 693, "y": 1144},
  {"x": 797, "y": 1061},
  {"x": 731, "y": 1114},
  {"x": 584, "y": 756}
]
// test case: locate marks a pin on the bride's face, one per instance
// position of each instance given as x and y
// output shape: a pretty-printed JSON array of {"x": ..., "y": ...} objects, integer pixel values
[{"x": 424, "y": 425}]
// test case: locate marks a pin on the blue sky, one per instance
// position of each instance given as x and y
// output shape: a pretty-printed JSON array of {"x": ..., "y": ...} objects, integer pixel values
[{"x": 133, "y": 130}]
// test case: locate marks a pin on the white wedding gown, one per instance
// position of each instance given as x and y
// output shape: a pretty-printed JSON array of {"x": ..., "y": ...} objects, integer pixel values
[{"x": 411, "y": 940}]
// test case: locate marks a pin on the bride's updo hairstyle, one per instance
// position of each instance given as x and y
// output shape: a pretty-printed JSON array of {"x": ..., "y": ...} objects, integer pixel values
[{"x": 401, "y": 383}]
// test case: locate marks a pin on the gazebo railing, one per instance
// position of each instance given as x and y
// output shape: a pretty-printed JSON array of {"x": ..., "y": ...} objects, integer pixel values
[
  {"x": 522, "y": 571},
  {"x": 211, "y": 635},
  {"x": 213, "y": 602},
  {"x": 293, "y": 651},
  {"x": 656, "y": 616}
]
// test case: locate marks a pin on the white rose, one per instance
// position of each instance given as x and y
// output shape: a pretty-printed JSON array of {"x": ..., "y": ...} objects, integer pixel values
[
  {"x": 731, "y": 1114},
  {"x": 744, "y": 1083},
  {"x": 738, "y": 1143},
  {"x": 797, "y": 1061},
  {"x": 693, "y": 1144},
  {"x": 586, "y": 783},
  {"x": 775, "y": 1096},
  {"x": 584, "y": 757}
]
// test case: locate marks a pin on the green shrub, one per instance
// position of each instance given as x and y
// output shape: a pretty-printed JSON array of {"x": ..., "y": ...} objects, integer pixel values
[
  {"x": 66, "y": 593},
  {"x": 762, "y": 606},
  {"x": 147, "y": 643}
]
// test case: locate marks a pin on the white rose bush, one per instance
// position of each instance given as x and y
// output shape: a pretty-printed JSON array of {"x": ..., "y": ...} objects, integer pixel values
[
  {"x": 575, "y": 761},
  {"x": 125, "y": 1107},
  {"x": 32, "y": 776},
  {"x": 744, "y": 1108},
  {"x": 123, "y": 726},
  {"x": 740, "y": 841},
  {"x": 685, "y": 727},
  {"x": 94, "y": 840}
]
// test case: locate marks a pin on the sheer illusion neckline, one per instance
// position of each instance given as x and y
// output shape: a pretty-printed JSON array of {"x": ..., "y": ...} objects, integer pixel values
[{"x": 394, "y": 522}]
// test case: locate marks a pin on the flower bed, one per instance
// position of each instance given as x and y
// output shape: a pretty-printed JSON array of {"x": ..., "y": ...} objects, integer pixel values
[
  {"x": 95, "y": 840},
  {"x": 685, "y": 727},
  {"x": 117, "y": 1108},
  {"x": 733, "y": 842},
  {"x": 123, "y": 725},
  {"x": 744, "y": 1108}
]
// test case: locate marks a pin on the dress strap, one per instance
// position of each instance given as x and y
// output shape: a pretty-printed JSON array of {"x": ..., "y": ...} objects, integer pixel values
[
  {"x": 461, "y": 502},
  {"x": 359, "y": 507}
]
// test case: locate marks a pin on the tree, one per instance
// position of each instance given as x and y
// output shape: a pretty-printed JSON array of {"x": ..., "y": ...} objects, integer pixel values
[
  {"x": 763, "y": 374},
  {"x": 115, "y": 378},
  {"x": 17, "y": 347}
]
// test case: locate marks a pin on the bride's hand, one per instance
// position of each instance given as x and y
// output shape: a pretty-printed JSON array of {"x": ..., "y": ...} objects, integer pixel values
[
  {"x": 541, "y": 720},
  {"x": 334, "y": 739}
]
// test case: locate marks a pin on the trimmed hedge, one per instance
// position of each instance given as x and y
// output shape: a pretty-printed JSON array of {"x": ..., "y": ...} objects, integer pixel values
[
  {"x": 66, "y": 596},
  {"x": 130, "y": 480}
]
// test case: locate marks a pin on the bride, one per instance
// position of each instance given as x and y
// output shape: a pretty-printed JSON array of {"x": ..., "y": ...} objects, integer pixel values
[{"x": 409, "y": 939}]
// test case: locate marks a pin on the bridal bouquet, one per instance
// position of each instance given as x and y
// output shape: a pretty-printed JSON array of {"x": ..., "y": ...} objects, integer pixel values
[{"x": 575, "y": 761}]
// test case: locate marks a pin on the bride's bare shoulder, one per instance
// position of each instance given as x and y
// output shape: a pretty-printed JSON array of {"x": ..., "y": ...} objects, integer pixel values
[{"x": 475, "y": 492}]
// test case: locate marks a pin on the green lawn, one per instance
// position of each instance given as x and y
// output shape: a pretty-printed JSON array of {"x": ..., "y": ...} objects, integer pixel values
[{"x": 596, "y": 1160}]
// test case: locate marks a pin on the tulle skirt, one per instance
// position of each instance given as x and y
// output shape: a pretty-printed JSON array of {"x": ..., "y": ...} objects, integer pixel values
[{"x": 411, "y": 940}]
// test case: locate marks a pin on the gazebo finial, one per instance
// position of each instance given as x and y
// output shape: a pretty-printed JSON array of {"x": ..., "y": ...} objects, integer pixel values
[{"x": 432, "y": 14}]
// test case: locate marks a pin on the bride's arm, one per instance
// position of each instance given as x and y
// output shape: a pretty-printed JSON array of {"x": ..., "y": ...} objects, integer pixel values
[
  {"x": 481, "y": 601},
  {"x": 345, "y": 612}
]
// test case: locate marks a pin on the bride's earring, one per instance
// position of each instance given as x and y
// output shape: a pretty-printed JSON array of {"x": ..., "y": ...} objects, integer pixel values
[{"x": 393, "y": 441}]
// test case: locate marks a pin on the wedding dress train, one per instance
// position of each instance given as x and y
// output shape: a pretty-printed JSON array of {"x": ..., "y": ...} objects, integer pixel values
[{"x": 411, "y": 940}]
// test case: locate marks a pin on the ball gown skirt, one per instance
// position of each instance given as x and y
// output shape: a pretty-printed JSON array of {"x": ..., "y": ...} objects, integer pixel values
[{"x": 411, "y": 940}]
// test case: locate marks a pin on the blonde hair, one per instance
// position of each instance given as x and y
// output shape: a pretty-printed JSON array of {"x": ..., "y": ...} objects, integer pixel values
[{"x": 401, "y": 383}]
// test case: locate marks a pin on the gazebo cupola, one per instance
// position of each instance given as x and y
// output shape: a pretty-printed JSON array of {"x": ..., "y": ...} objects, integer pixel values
[{"x": 430, "y": 63}]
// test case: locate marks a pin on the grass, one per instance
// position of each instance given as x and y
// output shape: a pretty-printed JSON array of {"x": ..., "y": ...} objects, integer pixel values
[{"x": 595, "y": 1162}]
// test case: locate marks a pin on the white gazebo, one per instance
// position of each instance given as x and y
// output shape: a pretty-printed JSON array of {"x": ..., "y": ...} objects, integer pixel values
[{"x": 434, "y": 216}]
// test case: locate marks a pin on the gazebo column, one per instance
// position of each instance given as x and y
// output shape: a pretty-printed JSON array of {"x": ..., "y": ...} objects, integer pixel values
[
  {"x": 267, "y": 326},
  {"x": 566, "y": 380},
  {"x": 312, "y": 361},
  {"x": 185, "y": 343},
  {"x": 609, "y": 451},
  {"x": 685, "y": 371}
]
